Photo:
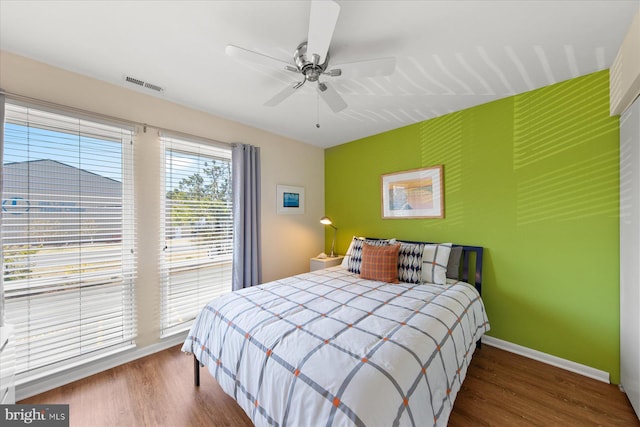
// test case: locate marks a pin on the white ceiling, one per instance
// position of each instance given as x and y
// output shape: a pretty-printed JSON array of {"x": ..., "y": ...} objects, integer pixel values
[{"x": 450, "y": 54}]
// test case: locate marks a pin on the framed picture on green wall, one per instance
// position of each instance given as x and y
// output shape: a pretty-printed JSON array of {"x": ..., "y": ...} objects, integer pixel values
[{"x": 417, "y": 193}]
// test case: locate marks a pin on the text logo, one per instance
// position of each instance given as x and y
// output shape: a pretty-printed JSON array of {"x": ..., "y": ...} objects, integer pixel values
[{"x": 34, "y": 415}]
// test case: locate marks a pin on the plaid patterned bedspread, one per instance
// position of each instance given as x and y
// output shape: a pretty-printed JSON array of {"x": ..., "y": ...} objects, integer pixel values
[{"x": 327, "y": 348}]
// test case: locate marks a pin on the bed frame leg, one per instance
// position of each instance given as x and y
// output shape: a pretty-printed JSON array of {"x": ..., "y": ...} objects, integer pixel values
[
  {"x": 196, "y": 372},
  {"x": 478, "y": 344}
]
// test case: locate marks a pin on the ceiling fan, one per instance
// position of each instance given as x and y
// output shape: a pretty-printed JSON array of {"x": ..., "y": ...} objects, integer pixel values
[{"x": 311, "y": 59}]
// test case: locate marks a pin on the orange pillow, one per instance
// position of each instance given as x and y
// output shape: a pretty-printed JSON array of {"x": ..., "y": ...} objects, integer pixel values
[{"x": 380, "y": 263}]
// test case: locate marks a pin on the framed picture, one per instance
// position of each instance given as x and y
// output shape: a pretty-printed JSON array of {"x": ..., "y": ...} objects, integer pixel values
[
  {"x": 290, "y": 199},
  {"x": 415, "y": 193}
]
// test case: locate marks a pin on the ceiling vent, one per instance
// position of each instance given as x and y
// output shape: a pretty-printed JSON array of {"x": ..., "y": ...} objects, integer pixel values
[{"x": 143, "y": 84}]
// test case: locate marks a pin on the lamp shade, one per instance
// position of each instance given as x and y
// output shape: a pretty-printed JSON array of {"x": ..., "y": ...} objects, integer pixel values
[{"x": 326, "y": 220}]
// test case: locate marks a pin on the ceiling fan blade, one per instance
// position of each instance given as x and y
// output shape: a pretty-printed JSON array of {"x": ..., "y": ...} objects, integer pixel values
[
  {"x": 367, "y": 68},
  {"x": 331, "y": 97},
  {"x": 249, "y": 55},
  {"x": 322, "y": 22},
  {"x": 282, "y": 95}
]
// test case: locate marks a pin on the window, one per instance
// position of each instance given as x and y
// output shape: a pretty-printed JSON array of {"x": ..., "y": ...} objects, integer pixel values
[
  {"x": 67, "y": 237},
  {"x": 197, "y": 237}
]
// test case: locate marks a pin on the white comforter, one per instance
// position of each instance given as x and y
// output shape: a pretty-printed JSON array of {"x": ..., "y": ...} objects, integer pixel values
[{"x": 327, "y": 348}]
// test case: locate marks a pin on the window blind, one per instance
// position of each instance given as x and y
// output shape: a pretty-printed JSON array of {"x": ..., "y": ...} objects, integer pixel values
[
  {"x": 68, "y": 238},
  {"x": 197, "y": 233}
]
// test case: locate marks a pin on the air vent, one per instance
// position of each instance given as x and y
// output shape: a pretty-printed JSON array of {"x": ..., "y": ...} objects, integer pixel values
[
  {"x": 144, "y": 84},
  {"x": 153, "y": 87}
]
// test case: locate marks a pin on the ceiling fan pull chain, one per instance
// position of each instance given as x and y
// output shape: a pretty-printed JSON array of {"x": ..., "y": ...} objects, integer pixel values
[{"x": 317, "y": 110}]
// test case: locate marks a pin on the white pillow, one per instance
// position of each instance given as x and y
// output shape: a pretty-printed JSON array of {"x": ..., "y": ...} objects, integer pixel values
[
  {"x": 435, "y": 258},
  {"x": 347, "y": 256}
]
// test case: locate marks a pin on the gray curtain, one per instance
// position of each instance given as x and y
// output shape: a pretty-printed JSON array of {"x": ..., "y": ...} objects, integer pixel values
[{"x": 247, "y": 258}]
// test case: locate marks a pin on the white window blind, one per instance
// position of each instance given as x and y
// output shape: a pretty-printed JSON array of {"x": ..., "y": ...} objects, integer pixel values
[
  {"x": 197, "y": 235},
  {"x": 68, "y": 238}
]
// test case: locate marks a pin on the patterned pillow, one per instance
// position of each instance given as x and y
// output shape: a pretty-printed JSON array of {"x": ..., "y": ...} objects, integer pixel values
[
  {"x": 410, "y": 262},
  {"x": 347, "y": 256},
  {"x": 434, "y": 263},
  {"x": 355, "y": 258},
  {"x": 380, "y": 262}
]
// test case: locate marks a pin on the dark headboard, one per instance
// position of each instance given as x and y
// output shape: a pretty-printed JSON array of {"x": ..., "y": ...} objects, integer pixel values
[
  {"x": 471, "y": 261},
  {"x": 466, "y": 263}
]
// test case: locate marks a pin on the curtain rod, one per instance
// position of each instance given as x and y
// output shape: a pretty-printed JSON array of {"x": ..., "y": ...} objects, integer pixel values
[{"x": 76, "y": 110}]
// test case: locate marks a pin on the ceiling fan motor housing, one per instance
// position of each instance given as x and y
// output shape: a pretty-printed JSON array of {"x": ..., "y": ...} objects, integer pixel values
[{"x": 310, "y": 70}]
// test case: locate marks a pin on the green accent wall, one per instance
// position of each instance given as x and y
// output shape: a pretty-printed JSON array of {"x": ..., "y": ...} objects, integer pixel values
[{"x": 534, "y": 178}]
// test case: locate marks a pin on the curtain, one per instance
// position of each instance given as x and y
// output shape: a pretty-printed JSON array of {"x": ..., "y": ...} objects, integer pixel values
[{"x": 247, "y": 258}]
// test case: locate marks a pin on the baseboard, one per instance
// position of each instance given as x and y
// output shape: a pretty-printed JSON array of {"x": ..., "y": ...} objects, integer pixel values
[
  {"x": 59, "y": 379},
  {"x": 568, "y": 365}
]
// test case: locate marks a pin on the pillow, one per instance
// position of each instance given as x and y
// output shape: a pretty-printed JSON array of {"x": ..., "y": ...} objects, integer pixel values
[
  {"x": 434, "y": 263},
  {"x": 453, "y": 267},
  {"x": 410, "y": 262},
  {"x": 347, "y": 256},
  {"x": 380, "y": 262},
  {"x": 355, "y": 258}
]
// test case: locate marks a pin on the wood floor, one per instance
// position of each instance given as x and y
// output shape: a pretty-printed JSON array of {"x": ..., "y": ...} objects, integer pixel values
[{"x": 501, "y": 389}]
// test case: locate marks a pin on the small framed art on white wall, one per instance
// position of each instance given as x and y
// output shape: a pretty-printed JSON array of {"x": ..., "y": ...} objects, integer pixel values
[{"x": 289, "y": 200}]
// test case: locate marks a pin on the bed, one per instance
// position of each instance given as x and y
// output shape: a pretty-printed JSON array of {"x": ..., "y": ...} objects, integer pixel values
[{"x": 329, "y": 348}]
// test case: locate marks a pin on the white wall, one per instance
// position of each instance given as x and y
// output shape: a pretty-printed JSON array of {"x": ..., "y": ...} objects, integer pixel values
[
  {"x": 625, "y": 98},
  {"x": 630, "y": 254},
  {"x": 288, "y": 240}
]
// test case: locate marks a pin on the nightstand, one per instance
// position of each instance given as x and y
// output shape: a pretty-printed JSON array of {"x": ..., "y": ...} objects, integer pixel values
[
  {"x": 320, "y": 263},
  {"x": 7, "y": 366}
]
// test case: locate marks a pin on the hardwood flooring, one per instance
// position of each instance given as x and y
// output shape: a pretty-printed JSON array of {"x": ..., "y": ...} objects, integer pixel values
[
  {"x": 504, "y": 389},
  {"x": 501, "y": 389}
]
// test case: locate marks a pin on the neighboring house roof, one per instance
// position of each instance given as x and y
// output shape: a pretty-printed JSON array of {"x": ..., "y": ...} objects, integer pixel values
[
  {"x": 53, "y": 163},
  {"x": 50, "y": 180}
]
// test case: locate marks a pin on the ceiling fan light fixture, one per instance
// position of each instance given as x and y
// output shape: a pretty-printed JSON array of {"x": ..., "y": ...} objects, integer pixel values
[{"x": 311, "y": 69}]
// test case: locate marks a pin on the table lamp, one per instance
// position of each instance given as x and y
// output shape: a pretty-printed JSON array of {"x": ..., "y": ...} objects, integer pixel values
[{"x": 327, "y": 221}]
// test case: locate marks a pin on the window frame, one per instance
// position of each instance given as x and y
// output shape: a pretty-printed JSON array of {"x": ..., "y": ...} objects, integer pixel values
[
  {"x": 203, "y": 149},
  {"x": 89, "y": 127}
]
